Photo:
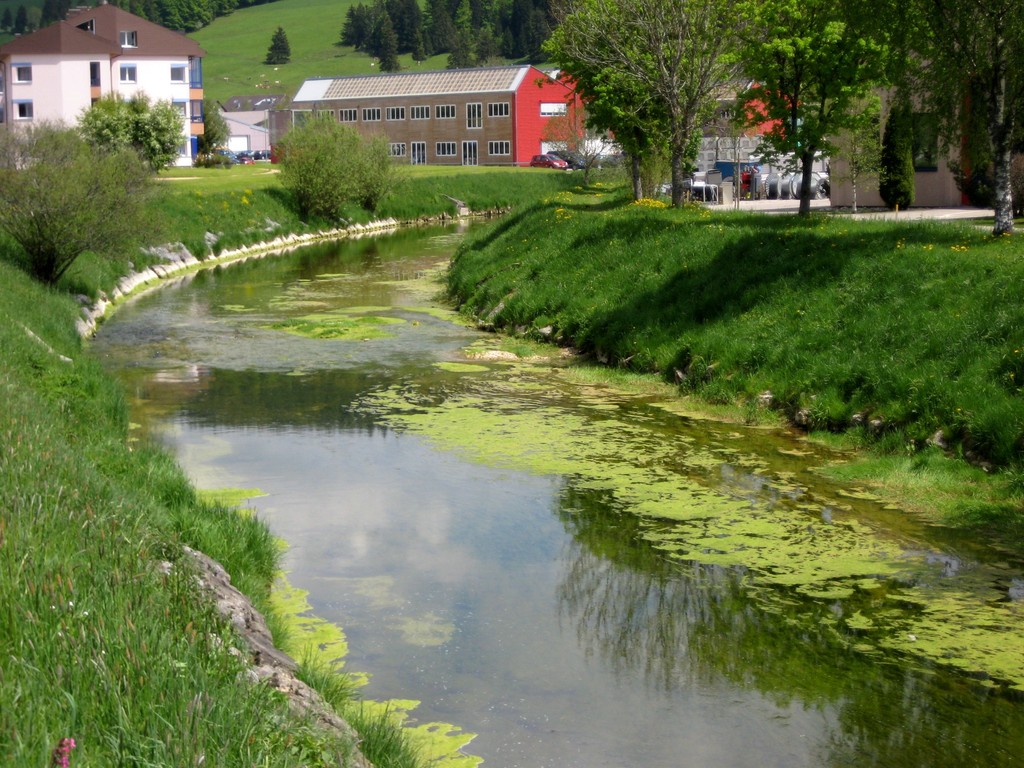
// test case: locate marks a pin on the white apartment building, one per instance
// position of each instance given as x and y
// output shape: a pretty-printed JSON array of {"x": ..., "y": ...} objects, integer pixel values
[{"x": 57, "y": 72}]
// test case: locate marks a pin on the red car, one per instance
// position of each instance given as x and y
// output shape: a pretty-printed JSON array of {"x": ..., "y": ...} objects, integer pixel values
[{"x": 548, "y": 161}]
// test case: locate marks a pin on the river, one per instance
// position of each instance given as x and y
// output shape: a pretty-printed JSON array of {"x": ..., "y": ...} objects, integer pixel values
[{"x": 579, "y": 576}]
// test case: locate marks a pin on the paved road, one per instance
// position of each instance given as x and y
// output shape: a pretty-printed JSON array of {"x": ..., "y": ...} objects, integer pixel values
[{"x": 791, "y": 206}]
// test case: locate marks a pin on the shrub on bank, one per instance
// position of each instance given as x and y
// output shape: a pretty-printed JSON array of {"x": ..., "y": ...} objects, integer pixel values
[{"x": 903, "y": 332}]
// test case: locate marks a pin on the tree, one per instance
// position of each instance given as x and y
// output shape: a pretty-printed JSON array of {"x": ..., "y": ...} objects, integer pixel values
[
  {"x": 61, "y": 197},
  {"x": 859, "y": 147},
  {"x": 7, "y": 20},
  {"x": 896, "y": 173},
  {"x": 407, "y": 20},
  {"x": 357, "y": 27},
  {"x": 811, "y": 62},
  {"x": 328, "y": 166},
  {"x": 438, "y": 28},
  {"x": 970, "y": 44},
  {"x": 463, "y": 50},
  {"x": 215, "y": 128},
  {"x": 666, "y": 58},
  {"x": 487, "y": 47},
  {"x": 385, "y": 44},
  {"x": 21, "y": 21},
  {"x": 154, "y": 131},
  {"x": 570, "y": 133},
  {"x": 279, "y": 52}
]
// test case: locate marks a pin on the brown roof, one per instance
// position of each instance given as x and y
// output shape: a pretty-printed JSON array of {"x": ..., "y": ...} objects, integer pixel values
[
  {"x": 60, "y": 37},
  {"x": 107, "y": 22}
]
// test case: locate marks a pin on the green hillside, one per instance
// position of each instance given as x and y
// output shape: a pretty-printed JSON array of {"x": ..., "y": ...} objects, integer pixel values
[{"x": 237, "y": 44}]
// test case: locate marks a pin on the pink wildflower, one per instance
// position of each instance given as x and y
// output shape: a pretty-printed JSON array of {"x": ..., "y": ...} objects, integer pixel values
[{"x": 61, "y": 756}]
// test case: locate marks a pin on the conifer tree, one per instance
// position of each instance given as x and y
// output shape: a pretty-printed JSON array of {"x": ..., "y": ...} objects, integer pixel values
[
  {"x": 20, "y": 21},
  {"x": 896, "y": 175},
  {"x": 386, "y": 44},
  {"x": 6, "y": 21},
  {"x": 463, "y": 50},
  {"x": 279, "y": 52}
]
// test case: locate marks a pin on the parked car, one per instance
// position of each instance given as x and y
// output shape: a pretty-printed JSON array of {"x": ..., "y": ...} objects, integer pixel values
[
  {"x": 261, "y": 155},
  {"x": 232, "y": 158},
  {"x": 574, "y": 161},
  {"x": 244, "y": 158},
  {"x": 548, "y": 161}
]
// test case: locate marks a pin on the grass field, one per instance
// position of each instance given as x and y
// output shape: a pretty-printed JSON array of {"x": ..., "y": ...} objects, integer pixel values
[{"x": 237, "y": 44}]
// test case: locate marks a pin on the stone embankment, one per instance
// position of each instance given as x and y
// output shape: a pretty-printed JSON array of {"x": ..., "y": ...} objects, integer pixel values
[
  {"x": 176, "y": 260},
  {"x": 267, "y": 664}
]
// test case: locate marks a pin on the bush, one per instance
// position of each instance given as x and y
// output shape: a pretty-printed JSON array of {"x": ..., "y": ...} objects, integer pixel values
[
  {"x": 212, "y": 160},
  {"x": 328, "y": 166},
  {"x": 60, "y": 197},
  {"x": 154, "y": 131}
]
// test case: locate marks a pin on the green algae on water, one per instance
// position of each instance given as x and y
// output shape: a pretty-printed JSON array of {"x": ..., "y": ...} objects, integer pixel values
[
  {"x": 337, "y": 326},
  {"x": 318, "y": 641},
  {"x": 703, "y": 500},
  {"x": 461, "y": 367}
]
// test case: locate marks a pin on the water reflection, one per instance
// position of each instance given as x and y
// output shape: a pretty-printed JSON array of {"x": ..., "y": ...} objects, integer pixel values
[{"x": 680, "y": 626}]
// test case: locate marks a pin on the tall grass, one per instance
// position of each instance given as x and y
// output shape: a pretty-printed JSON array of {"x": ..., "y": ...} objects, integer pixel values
[{"x": 908, "y": 329}]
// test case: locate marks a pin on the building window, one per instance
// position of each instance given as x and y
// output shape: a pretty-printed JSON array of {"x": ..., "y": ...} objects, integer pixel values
[
  {"x": 177, "y": 74},
  {"x": 419, "y": 152},
  {"x": 23, "y": 110},
  {"x": 396, "y": 113},
  {"x": 497, "y": 109},
  {"x": 420, "y": 113},
  {"x": 129, "y": 73},
  {"x": 196, "y": 110},
  {"x": 181, "y": 107},
  {"x": 129, "y": 39},
  {"x": 300, "y": 117},
  {"x": 22, "y": 73},
  {"x": 94, "y": 74},
  {"x": 347, "y": 115},
  {"x": 88, "y": 26},
  {"x": 475, "y": 115},
  {"x": 371, "y": 114},
  {"x": 445, "y": 112},
  {"x": 495, "y": 148},
  {"x": 552, "y": 108},
  {"x": 324, "y": 114},
  {"x": 195, "y": 72},
  {"x": 446, "y": 149},
  {"x": 397, "y": 150}
]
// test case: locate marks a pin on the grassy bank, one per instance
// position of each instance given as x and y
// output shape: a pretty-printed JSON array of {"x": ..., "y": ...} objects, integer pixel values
[
  {"x": 896, "y": 335},
  {"x": 98, "y": 642},
  {"x": 211, "y": 210}
]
